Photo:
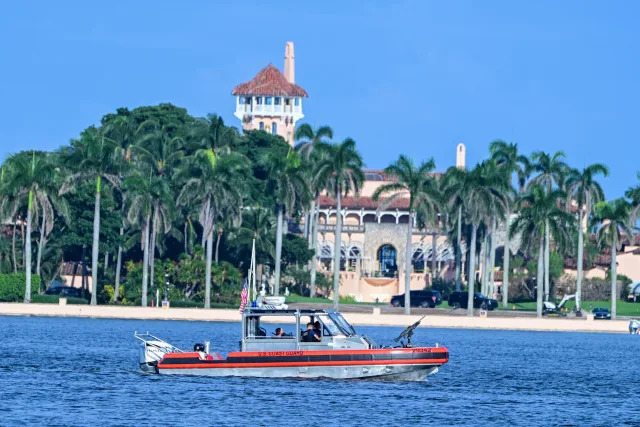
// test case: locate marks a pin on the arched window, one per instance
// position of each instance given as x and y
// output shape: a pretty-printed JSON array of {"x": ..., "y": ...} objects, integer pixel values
[
  {"x": 354, "y": 256},
  {"x": 387, "y": 261},
  {"x": 418, "y": 260},
  {"x": 261, "y": 125},
  {"x": 326, "y": 255},
  {"x": 274, "y": 128}
]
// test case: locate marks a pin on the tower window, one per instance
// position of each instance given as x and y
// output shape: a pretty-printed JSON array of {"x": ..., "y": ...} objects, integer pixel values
[
  {"x": 259, "y": 100},
  {"x": 287, "y": 101},
  {"x": 261, "y": 125},
  {"x": 268, "y": 100},
  {"x": 297, "y": 102},
  {"x": 276, "y": 100},
  {"x": 274, "y": 128}
]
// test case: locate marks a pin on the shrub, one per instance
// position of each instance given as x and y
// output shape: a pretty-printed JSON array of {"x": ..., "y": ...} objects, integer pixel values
[
  {"x": 347, "y": 300},
  {"x": 12, "y": 286},
  {"x": 55, "y": 299},
  {"x": 445, "y": 287}
]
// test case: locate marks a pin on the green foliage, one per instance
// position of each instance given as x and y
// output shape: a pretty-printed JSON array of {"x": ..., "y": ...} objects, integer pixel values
[
  {"x": 556, "y": 265},
  {"x": 347, "y": 300},
  {"x": 445, "y": 287},
  {"x": 55, "y": 299},
  {"x": 12, "y": 286},
  {"x": 295, "y": 250}
]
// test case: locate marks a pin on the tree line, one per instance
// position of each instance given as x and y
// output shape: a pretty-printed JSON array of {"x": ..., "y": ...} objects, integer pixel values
[{"x": 147, "y": 185}]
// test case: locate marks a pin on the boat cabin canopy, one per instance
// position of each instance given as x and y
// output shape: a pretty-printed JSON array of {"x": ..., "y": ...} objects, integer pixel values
[{"x": 335, "y": 332}]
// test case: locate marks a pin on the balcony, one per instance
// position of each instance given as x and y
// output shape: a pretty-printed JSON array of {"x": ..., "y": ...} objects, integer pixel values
[
  {"x": 264, "y": 109},
  {"x": 331, "y": 228}
]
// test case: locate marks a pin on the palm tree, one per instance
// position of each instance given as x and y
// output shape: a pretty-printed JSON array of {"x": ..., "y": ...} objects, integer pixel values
[
  {"x": 633, "y": 194},
  {"x": 421, "y": 188},
  {"x": 452, "y": 196},
  {"x": 92, "y": 157},
  {"x": 287, "y": 181},
  {"x": 479, "y": 194},
  {"x": 139, "y": 210},
  {"x": 258, "y": 224},
  {"x": 214, "y": 181},
  {"x": 583, "y": 188},
  {"x": 211, "y": 132},
  {"x": 308, "y": 139},
  {"x": 31, "y": 176},
  {"x": 612, "y": 221},
  {"x": 507, "y": 157},
  {"x": 339, "y": 170},
  {"x": 551, "y": 170},
  {"x": 538, "y": 211},
  {"x": 158, "y": 154}
]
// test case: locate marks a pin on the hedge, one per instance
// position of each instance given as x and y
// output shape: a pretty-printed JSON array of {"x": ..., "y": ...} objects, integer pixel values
[
  {"x": 55, "y": 299},
  {"x": 12, "y": 286}
]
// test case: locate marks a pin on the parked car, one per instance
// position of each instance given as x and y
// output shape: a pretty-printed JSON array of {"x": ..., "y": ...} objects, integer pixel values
[
  {"x": 601, "y": 313},
  {"x": 460, "y": 300},
  {"x": 422, "y": 299},
  {"x": 65, "y": 291}
]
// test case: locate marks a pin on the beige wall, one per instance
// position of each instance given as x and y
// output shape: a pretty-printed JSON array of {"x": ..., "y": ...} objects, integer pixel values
[{"x": 285, "y": 130}]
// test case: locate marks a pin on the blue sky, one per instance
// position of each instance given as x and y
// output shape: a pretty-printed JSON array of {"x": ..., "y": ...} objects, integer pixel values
[{"x": 413, "y": 77}]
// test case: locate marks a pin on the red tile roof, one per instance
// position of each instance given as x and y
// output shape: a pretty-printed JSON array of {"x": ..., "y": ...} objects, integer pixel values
[
  {"x": 269, "y": 81},
  {"x": 362, "y": 202}
]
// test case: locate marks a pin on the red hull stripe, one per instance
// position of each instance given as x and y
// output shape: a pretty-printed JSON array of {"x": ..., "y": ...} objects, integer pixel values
[
  {"x": 429, "y": 362},
  {"x": 390, "y": 351}
]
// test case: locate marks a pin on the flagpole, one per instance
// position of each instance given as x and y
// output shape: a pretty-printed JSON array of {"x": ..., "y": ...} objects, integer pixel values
[{"x": 253, "y": 269}]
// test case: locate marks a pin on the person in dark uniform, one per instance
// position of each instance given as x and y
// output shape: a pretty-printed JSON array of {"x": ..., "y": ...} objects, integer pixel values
[
  {"x": 310, "y": 335},
  {"x": 317, "y": 328}
]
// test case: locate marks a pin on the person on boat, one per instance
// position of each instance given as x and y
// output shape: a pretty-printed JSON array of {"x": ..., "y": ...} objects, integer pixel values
[
  {"x": 279, "y": 332},
  {"x": 317, "y": 328},
  {"x": 310, "y": 334}
]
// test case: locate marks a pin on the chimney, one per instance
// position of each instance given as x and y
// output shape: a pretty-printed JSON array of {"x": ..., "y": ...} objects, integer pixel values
[{"x": 289, "y": 65}]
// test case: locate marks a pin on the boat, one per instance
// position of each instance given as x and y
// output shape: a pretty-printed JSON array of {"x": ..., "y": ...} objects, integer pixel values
[{"x": 339, "y": 352}]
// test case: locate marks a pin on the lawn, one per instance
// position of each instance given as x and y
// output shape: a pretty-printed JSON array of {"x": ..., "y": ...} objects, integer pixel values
[
  {"x": 624, "y": 308},
  {"x": 293, "y": 298}
]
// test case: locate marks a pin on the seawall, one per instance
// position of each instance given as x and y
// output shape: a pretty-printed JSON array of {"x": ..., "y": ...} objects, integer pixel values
[{"x": 360, "y": 319}]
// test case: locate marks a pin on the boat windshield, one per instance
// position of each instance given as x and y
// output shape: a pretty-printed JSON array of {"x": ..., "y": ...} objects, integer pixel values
[
  {"x": 330, "y": 326},
  {"x": 344, "y": 326}
]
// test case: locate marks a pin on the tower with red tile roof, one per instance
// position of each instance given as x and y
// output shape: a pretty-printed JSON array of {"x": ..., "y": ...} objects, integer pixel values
[{"x": 271, "y": 101}]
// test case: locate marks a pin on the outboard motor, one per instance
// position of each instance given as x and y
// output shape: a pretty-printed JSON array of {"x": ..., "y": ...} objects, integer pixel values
[{"x": 198, "y": 348}]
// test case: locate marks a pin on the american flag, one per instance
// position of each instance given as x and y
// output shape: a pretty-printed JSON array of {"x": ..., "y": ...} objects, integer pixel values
[{"x": 244, "y": 295}]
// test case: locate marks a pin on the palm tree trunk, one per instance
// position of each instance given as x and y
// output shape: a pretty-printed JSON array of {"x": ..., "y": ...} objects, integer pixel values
[
  {"x": 407, "y": 267},
  {"x": 314, "y": 257},
  {"x": 218, "y": 245},
  {"x": 13, "y": 246},
  {"x": 434, "y": 255},
  {"x": 492, "y": 259},
  {"x": 116, "y": 290},
  {"x": 539, "y": 277},
  {"x": 40, "y": 243},
  {"x": 27, "y": 251},
  {"x": 276, "y": 287},
  {"x": 152, "y": 244},
  {"x": 186, "y": 243},
  {"x": 95, "y": 246},
  {"x": 546, "y": 260},
  {"x": 116, "y": 286},
  {"x": 337, "y": 253},
  {"x": 614, "y": 274},
  {"x": 484, "y": 252},
  {"x": 207, "y": 289},
  {"x": 459, "y": 251},
  {"x": 580, "y": 260},
  {"x": 507, "y": 254},
  {"x": 106, "y": 263},
  {"x": 312, "y": 229},
  {"x": 145, "y": 260},
  {"x": 22, "y": 242},
  {"x": 471, "y": 280}
]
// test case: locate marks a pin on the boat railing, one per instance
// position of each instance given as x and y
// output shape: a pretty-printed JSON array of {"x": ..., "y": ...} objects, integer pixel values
[{"x": 157, "y": 343}]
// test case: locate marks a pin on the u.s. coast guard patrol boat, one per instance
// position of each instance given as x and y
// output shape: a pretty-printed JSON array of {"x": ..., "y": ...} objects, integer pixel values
[{"x": 338, "y": 352}]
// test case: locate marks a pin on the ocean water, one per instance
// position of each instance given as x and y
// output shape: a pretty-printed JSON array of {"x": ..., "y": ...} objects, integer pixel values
[{"x": 66, "y": 371}]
